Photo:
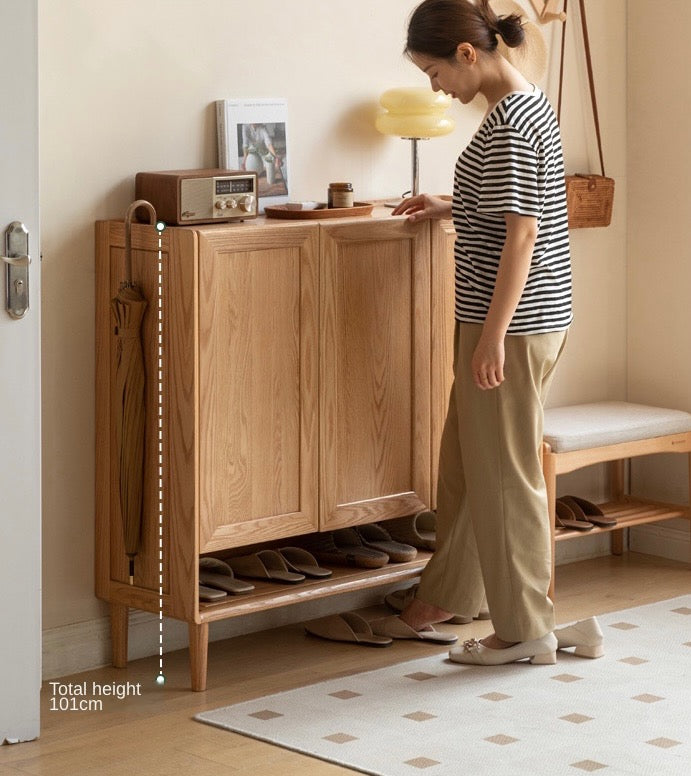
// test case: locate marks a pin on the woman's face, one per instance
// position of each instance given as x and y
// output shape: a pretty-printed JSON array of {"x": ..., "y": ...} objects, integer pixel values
[{"x": 458, "y": 77}]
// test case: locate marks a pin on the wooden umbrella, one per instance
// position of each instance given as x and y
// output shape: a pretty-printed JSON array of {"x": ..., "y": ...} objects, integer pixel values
[{"x": 128, "y": 309}]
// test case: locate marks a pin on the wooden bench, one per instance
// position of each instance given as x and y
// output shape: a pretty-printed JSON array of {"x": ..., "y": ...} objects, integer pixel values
[{"x": 612, "y": 432}]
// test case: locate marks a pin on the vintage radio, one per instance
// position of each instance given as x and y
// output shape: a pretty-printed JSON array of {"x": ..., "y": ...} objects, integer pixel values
[{"x": 199, "y": 196}]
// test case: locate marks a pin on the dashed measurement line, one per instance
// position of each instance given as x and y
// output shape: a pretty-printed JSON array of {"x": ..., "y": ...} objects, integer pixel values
[{"x": 160, "y": 226}]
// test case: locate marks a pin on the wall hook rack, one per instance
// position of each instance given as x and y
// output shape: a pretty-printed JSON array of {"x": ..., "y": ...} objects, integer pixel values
[{"x": 546, "y": 11}]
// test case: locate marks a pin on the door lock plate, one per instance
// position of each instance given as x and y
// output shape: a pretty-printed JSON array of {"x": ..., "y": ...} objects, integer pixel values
[{"x": 17, "y": 263}]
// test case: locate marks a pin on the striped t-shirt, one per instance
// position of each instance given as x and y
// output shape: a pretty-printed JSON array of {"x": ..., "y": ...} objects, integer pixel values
[{"x": 513, "y": 164}]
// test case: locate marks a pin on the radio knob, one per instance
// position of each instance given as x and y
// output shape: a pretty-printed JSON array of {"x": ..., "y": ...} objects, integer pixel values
[
  {"x": 220, "y": 205},
  {"x": 231, "y": 204},
  {"x": 247, "y": 203}
]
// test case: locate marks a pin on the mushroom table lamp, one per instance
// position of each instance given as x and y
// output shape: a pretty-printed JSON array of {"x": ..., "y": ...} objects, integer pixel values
[{"x": 414, "y": 113}]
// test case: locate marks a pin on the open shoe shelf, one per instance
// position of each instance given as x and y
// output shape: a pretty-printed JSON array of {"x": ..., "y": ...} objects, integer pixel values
[
  {"x": 628, "y": 512},
  {"x": 270, "y": 595}
]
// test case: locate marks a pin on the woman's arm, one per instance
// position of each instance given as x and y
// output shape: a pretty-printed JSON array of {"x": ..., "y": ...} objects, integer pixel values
[{"x": 514, "y": 265}]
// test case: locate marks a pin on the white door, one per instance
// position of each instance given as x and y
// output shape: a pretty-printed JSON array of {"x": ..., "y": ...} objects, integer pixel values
[{"x": 20, "y": 437}]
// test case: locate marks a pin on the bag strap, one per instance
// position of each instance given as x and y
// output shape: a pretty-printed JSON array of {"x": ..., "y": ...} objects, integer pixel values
[{"x": 591, "y": 81}]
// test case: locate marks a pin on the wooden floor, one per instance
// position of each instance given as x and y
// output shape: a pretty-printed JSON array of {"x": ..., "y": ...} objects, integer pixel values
[{"x": 154, "y": 735}]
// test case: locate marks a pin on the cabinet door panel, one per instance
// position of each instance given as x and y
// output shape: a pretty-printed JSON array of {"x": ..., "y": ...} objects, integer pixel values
[
  {"x": 375, "y": 386},
  {"x": 257, "y": 385}
]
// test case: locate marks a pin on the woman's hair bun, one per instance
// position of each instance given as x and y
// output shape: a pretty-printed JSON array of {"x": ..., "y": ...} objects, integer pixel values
[{"x": 511, "y": 30}]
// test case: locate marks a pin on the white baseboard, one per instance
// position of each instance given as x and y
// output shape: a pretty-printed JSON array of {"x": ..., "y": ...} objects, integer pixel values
[
  {"x": 663, "y": 540},
  {"x": 83, "y": 646}
]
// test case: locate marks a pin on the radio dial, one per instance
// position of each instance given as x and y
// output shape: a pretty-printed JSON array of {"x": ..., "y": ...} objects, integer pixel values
[
  {"x": 247, "y": 203},
  {"x": 220, "y": 205},
  {"x": 231, "y": 204}
]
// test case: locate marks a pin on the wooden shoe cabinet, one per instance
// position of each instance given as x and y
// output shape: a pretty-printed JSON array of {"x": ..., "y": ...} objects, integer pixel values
[{"x": 305, "y": 373}]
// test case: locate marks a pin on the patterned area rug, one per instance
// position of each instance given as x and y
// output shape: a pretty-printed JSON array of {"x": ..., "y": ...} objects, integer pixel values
[{"x": 626, "y": 713}]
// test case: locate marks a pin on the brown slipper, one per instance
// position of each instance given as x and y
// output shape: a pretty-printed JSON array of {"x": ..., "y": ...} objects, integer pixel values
[
  {"x": 586, "y": 510},
  {"x": 378, "y": 538},
  {"x": 298, "y": 559},
  {"x": 347, "y": 551},
  {"x": 420, "y": 530},
  {"x": 565, "y": 517},
  {"x": 213, "y": 572},
  {"x": 265, "y": 564}
]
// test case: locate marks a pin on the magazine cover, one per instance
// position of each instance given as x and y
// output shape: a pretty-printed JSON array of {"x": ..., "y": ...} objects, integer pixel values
[{"x": 252, "y": 135}]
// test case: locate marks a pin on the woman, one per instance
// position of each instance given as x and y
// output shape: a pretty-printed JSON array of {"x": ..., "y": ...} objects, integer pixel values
[{"x": 513, "y": 308}]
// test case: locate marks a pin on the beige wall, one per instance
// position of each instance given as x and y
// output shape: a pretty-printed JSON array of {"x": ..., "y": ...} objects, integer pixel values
[
  {"x": 659, "y": 256},
  {"x": 127, "y": 85}
]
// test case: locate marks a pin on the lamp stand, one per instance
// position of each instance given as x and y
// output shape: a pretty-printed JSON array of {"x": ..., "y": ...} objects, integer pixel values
[{"x": 415, "y": 165}]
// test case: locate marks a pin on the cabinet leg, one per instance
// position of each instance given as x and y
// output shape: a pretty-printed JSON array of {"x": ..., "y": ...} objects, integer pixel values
[
  {"x": 118, "y": 634},
  {"x": 199, "y": 648}
]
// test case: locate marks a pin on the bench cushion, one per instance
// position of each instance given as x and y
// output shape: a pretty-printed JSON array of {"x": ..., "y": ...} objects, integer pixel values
[{"x": 582, "y": 426}]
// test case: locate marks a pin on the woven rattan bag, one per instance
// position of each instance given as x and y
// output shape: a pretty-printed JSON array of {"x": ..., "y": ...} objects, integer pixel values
[{"x": 589, "y": 197}]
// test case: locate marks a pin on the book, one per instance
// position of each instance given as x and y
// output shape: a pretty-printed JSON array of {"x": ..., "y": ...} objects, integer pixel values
[{"x": 252, "y": 135}]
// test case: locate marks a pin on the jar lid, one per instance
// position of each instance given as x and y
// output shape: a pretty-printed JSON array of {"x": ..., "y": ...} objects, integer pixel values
[{"x": 345, "y": 185}]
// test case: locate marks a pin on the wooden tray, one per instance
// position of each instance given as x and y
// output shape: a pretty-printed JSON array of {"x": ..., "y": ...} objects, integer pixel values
[{"x": 281, "y": 211}]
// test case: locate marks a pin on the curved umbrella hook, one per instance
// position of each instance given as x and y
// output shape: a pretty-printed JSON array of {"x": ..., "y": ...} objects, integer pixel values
[{"x": 128, "y": 233}]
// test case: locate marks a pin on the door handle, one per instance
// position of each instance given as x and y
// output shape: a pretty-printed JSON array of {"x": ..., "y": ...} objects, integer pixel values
[{"x": 17, "y": 263}]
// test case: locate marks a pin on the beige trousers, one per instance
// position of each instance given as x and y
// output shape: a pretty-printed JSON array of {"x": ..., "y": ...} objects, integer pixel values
[{"x": 493, "y": 531}]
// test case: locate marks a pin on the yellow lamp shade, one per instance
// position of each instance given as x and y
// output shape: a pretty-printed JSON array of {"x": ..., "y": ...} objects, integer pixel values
[{"x": 414, "y": 111}]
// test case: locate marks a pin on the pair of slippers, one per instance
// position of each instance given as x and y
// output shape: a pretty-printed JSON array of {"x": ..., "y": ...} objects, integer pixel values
[
  {"x": 352, "y": 628},
  {"x": 367, "y": 546},
  {"x": 288, "y": 565},
  {"x": 580, "y": 515}
]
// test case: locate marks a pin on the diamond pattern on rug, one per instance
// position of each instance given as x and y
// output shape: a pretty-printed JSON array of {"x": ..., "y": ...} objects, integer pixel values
[
  {"x": 265, "y": 714},
  {"x": 494, "y": 696},
  {"x": 345, "y": 695},
  {"x": 421, "y": 762},
  {"x": 625, "y": 714},
  {"x": 633, "y": 661},
  {"x": 646, "y": 697},
  {"x": 501, "y": 739},
  {"x": 623, "y": 625},
  {"x": 664, "y": 743},
  {"x": 577, "y": 718},
  {"x": 340, "y": 738},
  {"x": 588, "y": 765},
  {"x": 567, "y": 678},
  {"x": 420, "y": 716},
  {"x": 682, "y": 610},
  {"x": 420, "y": 676}
]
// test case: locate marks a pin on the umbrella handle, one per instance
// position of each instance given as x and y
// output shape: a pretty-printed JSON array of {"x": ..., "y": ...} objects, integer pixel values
[{"x": 128, "y": 232}]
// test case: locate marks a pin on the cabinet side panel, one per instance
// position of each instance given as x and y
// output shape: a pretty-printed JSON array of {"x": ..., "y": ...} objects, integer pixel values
[{"x": 178, "y": 395}]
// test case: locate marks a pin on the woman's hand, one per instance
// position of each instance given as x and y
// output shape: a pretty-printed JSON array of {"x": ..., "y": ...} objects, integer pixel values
[
  {"x": 488, "y": 363},
  {"x": 423, "y": 206}
]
